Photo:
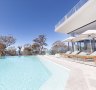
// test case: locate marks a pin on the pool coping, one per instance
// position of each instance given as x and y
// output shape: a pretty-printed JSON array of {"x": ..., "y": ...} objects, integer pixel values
[
  {"x": 82, "y": 77},
  {"x": 47, "y": 84}
]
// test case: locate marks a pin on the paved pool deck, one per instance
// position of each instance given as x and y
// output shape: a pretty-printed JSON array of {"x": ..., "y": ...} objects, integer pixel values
[{"x": 82, "y": 77}]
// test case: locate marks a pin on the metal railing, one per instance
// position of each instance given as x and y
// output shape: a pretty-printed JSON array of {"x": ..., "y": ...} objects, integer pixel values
[{"x": 72, "y": 11}]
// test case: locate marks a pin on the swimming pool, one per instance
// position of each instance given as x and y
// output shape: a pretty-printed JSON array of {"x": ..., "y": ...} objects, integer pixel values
[{"x": 30, "y": 73}]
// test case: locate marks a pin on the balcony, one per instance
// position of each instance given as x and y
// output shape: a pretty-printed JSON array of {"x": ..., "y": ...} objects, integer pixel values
[
  {"x": 72, "y": 11},
  {"x": 82, "y": 17}
]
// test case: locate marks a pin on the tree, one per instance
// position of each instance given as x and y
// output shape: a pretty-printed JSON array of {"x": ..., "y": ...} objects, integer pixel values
[
  {"x": 11, "y": 51},
  {"x": 41, "y": 41},
  {"x": 58, "y": 47},
  {"x": 2, "y": 48},
  {"x": 35, "y": 48},
  {"x": 27, "y": 49},
  {"x": 7, "y": 40}
]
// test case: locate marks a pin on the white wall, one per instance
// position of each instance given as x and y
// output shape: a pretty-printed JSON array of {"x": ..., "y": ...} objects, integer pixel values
[{"x": 83, "y": 16}]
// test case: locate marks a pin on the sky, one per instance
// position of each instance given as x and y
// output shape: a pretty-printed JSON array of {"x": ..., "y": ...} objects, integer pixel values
[{"x": 26, "y": 19}]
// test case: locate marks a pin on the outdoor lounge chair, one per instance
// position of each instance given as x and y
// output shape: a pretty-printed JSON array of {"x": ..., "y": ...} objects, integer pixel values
[
  {"x": 67, "y": 53},
  {"x": 73, "y": 54},
  {"x": 81, "y": 54},
  {"x": 91, "y": 56}
]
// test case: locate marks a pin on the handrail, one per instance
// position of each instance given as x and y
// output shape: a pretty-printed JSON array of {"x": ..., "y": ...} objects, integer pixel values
[{"x": 72, "y": 11}]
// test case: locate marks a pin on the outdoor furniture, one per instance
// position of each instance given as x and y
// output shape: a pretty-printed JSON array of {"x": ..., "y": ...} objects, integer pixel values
[
  {"x": 85, "y": 56},
  {"x": 67, "y": 53},
  {"x": 73, "y": 54},
  {"x": 80, "y": 55},
  {"x": 91, "y": 56}
]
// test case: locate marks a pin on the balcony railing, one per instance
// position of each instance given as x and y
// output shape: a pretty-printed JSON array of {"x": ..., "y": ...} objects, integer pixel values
[{"x": 72, "y": 11}]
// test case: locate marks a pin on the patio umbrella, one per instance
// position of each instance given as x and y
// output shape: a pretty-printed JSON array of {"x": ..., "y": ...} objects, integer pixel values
[
  {"x": 86, "y": 35},
  {"x": 89, "y": 34},
  {"x": 80, "y": 38},
  {"x": 69, "y": 40}
]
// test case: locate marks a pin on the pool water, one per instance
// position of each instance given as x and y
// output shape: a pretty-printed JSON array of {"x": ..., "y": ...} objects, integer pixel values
[
  {"x": 22, "y": 73},
  {"x": 31, "y": 73}
]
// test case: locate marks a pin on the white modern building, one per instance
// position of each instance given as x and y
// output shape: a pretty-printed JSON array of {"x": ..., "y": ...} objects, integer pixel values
[{"x": 80, "y": 18}]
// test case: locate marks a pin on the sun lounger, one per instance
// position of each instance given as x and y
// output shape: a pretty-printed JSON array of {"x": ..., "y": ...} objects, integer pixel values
[
  {"x": 67, "y": 53},
  {"x": 81, "y": 54},
  {"x": 73, "y": 54},
  {"x": 91, "y": 56}
]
